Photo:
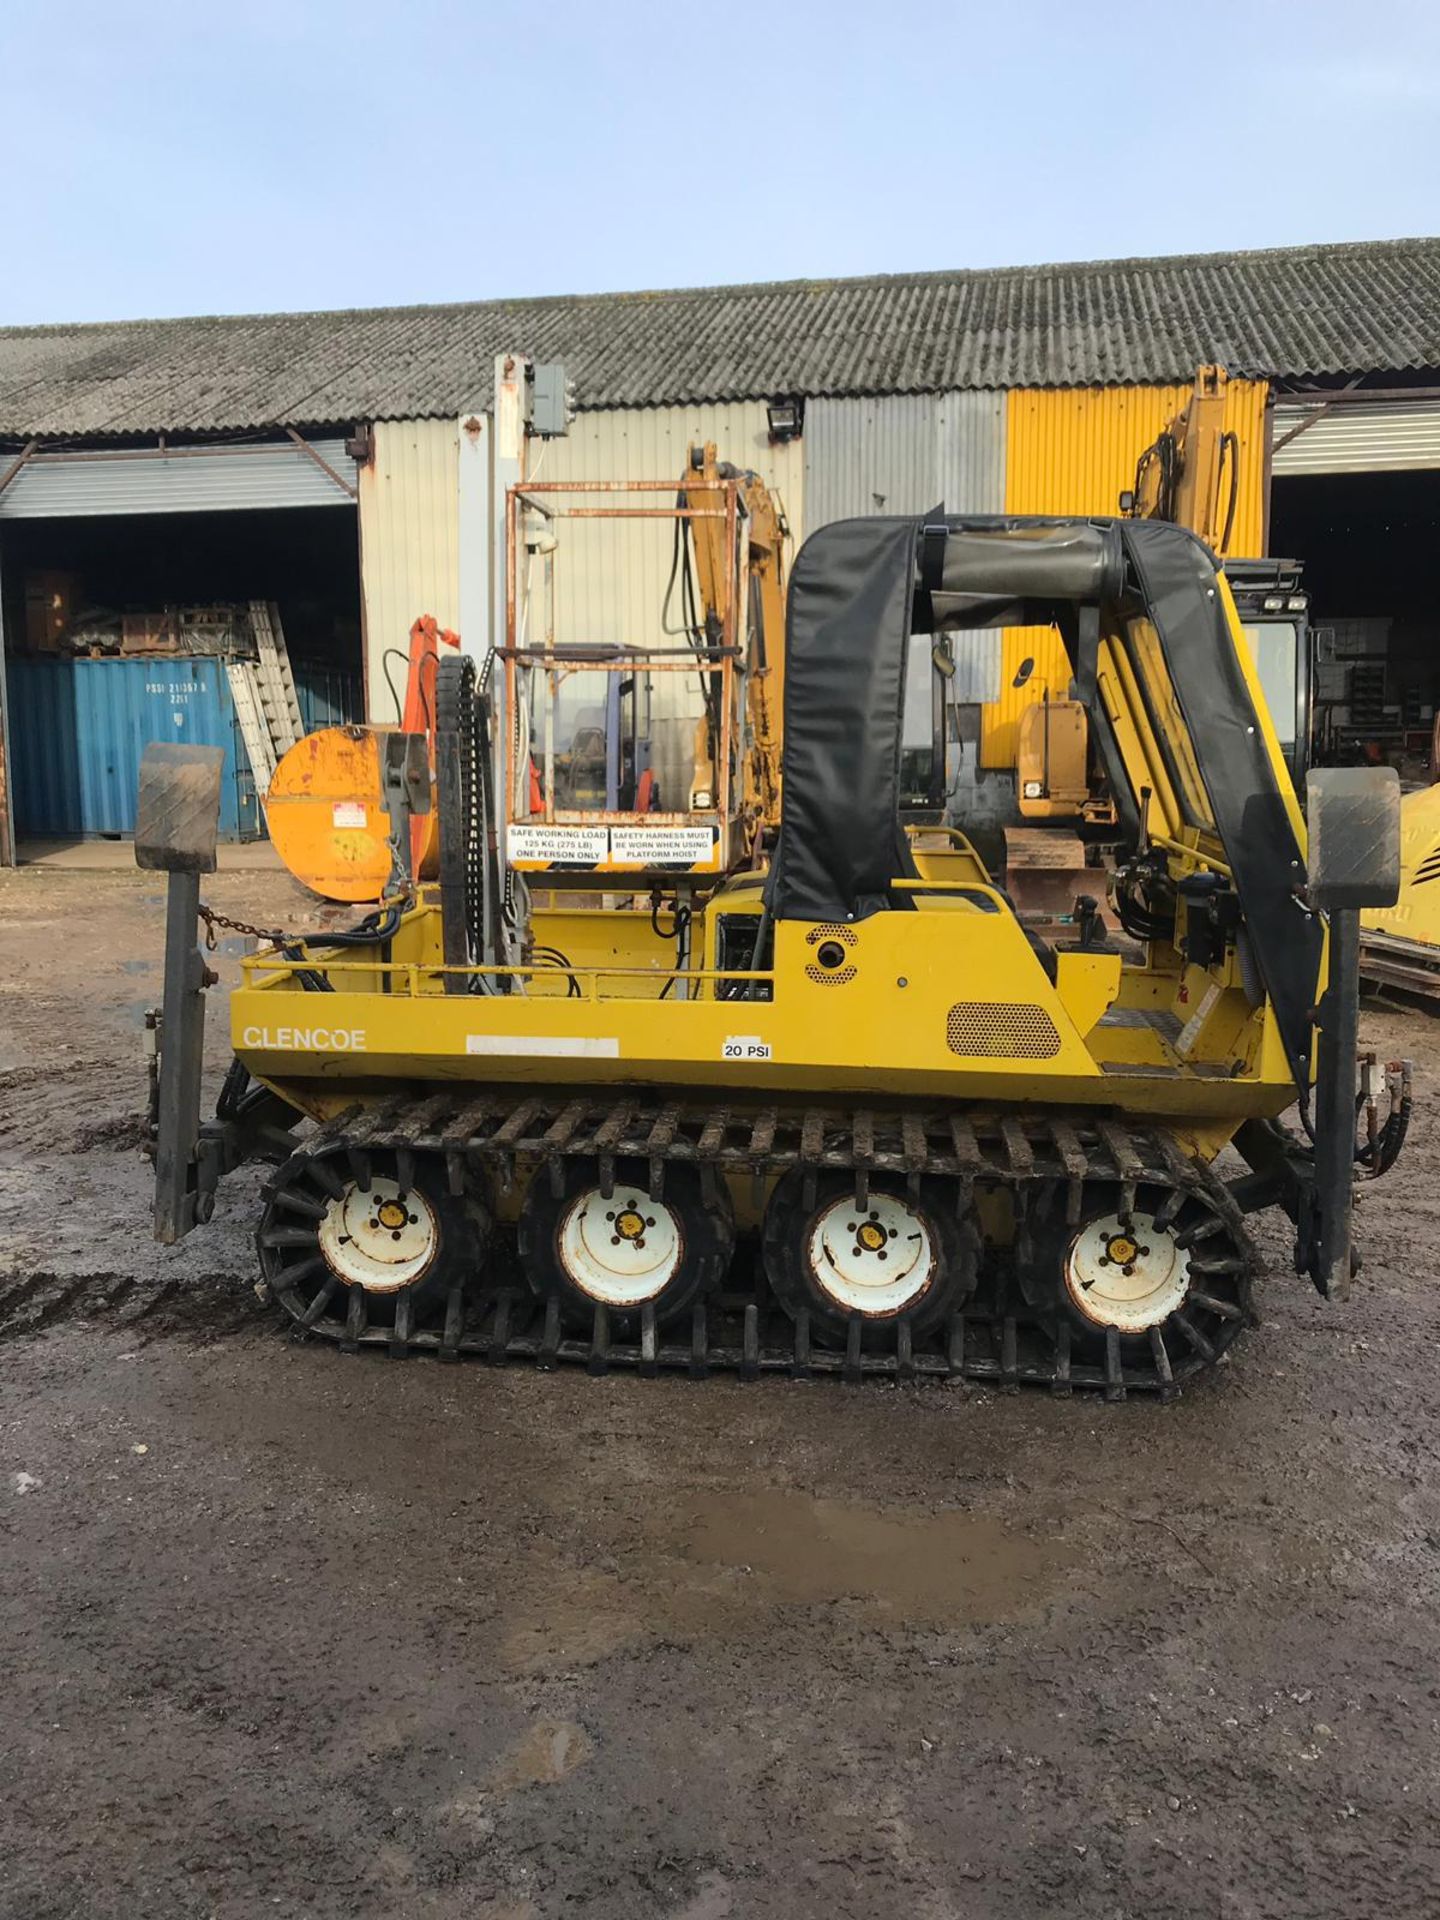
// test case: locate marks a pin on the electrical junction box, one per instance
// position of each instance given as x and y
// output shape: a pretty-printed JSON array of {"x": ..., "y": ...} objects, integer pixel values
[{"x": 550, "y": 396}]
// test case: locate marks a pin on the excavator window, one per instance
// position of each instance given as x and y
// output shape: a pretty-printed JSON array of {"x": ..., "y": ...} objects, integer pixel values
[{"x": 1275, "y": 644}]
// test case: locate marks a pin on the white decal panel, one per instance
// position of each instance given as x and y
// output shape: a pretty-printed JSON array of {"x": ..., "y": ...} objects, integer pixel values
[
  {"x": 1190, "y": 1032},
  {"x": 586, "y": 846},
  {"x": 554, "y": 1046},
  {"x": 348, "y": 813},
  {"x": 661, "y": 846},
  {"x": 746, "y": 1046}
]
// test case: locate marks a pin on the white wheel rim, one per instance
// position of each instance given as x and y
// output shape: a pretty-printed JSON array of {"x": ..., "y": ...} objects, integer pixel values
[
  {"x": 1130, "y": 1276},
  {"x": 622, "y": 1251},
  {"x": 383, "y": 1240},
  {"x": 878, "y": 1260}
]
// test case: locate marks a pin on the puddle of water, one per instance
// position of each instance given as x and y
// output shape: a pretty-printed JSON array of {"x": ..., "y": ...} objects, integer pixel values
[
  {"x": 546, "y": 1754},
  {"x": 938, "y": 1566}
]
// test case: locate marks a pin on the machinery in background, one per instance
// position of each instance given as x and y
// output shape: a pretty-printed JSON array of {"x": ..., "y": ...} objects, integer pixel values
[
  {"x": 645, "y": 755},
  {"x": 326, "y": 807},
  {"x": 865, "y": 1121},
  {"x": 1400, "y": 945},
  {"x": 1190, "y": 475}
]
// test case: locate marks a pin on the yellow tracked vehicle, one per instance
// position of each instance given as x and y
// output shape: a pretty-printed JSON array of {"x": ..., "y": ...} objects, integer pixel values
[{"x": 870, "y": 1123}]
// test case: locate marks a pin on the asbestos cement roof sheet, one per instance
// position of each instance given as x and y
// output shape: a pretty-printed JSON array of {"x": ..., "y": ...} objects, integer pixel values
[{"x": 1293, "y": 313}]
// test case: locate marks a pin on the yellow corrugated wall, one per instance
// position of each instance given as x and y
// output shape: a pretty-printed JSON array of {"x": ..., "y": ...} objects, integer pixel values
[
  {"x": 1073, "y": 450},
  {"x": 409, "y": 544}
]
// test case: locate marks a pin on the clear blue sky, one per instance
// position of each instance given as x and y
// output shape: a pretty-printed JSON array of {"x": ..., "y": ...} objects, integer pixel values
[{"x": 164, "y": 158}]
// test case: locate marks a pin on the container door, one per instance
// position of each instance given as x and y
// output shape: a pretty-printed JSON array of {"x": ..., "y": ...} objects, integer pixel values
[{"x": 79, "y": 727}]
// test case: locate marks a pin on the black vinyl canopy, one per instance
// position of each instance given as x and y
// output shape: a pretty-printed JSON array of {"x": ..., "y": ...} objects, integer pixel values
[{"x": 860, "y": 588}]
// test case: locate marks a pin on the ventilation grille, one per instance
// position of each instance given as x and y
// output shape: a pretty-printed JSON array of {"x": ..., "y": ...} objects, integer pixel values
[
  {"x": 831, "y": 976},
  {"x": 1429, "y": 867},
  {"x": 993, "y": 1030}
]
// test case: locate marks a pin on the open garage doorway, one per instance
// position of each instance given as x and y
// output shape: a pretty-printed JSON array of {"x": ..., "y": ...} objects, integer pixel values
[
  {"x": 1367, "y": 541},
  {"x": 118, "y": 627}
]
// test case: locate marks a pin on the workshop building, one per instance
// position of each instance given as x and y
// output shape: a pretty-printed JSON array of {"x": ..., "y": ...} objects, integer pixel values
[{"x": 170, "y": 488}]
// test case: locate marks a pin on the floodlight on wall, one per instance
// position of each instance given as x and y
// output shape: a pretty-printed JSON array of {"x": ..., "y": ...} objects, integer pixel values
[{"x": 786, "y": 418}]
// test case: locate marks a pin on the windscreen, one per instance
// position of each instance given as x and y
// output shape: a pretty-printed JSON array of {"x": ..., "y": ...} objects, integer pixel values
[{"x": 1275, "y": 645}]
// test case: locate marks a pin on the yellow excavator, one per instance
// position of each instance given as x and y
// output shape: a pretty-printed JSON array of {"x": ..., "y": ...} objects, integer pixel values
[
  {"x": 866, "y": 1123},
  {"x": 760, "y": 534},
  {"x": 1400, "y": 945},
  {"x": 1188, "y": 477}
]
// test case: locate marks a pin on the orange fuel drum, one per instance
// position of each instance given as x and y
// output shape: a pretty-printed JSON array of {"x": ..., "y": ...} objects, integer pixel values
[{"x": 325, "y": 809}]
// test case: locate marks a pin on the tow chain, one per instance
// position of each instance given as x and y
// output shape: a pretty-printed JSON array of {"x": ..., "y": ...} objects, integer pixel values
[{"x": 276, "y": 936}]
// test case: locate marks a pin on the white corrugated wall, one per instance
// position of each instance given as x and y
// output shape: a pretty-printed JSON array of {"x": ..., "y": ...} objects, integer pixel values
[
  {"x": 1354, "y": 436},
  {"x": 218, "y": 479},
  {"x": 409, "y": 544}
]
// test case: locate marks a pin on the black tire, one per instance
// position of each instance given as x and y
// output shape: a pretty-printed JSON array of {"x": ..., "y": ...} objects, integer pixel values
[
  {"x": 705, "y": 1229},
  {"x": 1198, "y": 1327},
  {"x": 298, "y": 1270},
  {"x": 786, "y": 1240}
]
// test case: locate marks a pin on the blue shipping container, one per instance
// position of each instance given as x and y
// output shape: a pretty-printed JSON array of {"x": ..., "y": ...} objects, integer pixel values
[
  {"x": 328, "y": 696},
  {"x": 78, "y": 728}
]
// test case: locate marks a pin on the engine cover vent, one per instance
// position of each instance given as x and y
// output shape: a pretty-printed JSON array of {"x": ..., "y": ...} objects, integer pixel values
[{"x": 999, "y": 1030}]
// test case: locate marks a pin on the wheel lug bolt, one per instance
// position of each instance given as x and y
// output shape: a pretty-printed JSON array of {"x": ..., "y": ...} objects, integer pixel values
[
  {"x": 1104, "y": 1260},
  {"x": 609, "y": 1216},
  {"x": 649, "y": 1223},
  {"x": 614, "y": 1239},
  {"x": 396, "y": 1234},
  {"x": 1130, "y": 1269}
]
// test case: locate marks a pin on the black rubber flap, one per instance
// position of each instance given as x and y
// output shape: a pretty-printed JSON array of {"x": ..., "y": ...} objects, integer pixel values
[
  {"x": 857, "y": 593},
  {"x": 1176, "y": 575},
  {"x": 847, "y": 631}
]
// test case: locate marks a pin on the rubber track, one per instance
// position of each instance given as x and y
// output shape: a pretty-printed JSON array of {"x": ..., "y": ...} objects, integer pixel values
[{"x": 509, "y": 1135}]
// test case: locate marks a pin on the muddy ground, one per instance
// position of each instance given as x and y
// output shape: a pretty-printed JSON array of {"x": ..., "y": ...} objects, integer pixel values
[{"x": 288, "y": 1632}]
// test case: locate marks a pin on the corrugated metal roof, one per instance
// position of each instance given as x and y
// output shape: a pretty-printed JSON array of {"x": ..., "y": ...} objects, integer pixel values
[{"x": 1289, "y": 313}]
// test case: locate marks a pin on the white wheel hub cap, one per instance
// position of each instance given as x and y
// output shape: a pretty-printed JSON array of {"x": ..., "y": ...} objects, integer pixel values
[
  {"x": 878, "y": 1260},
  {"x": 383, "y": 1240},
  {"x": 1130, "y": 1276},
  {"x": 622, "y": 1251}
]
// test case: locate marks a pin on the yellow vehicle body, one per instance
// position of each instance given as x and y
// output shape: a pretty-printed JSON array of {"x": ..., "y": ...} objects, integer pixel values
[
  {"x": 961, "y": 1149},
  {"x": 1400, "y": 945},
  {"x": 1013, "y": 1035}
]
